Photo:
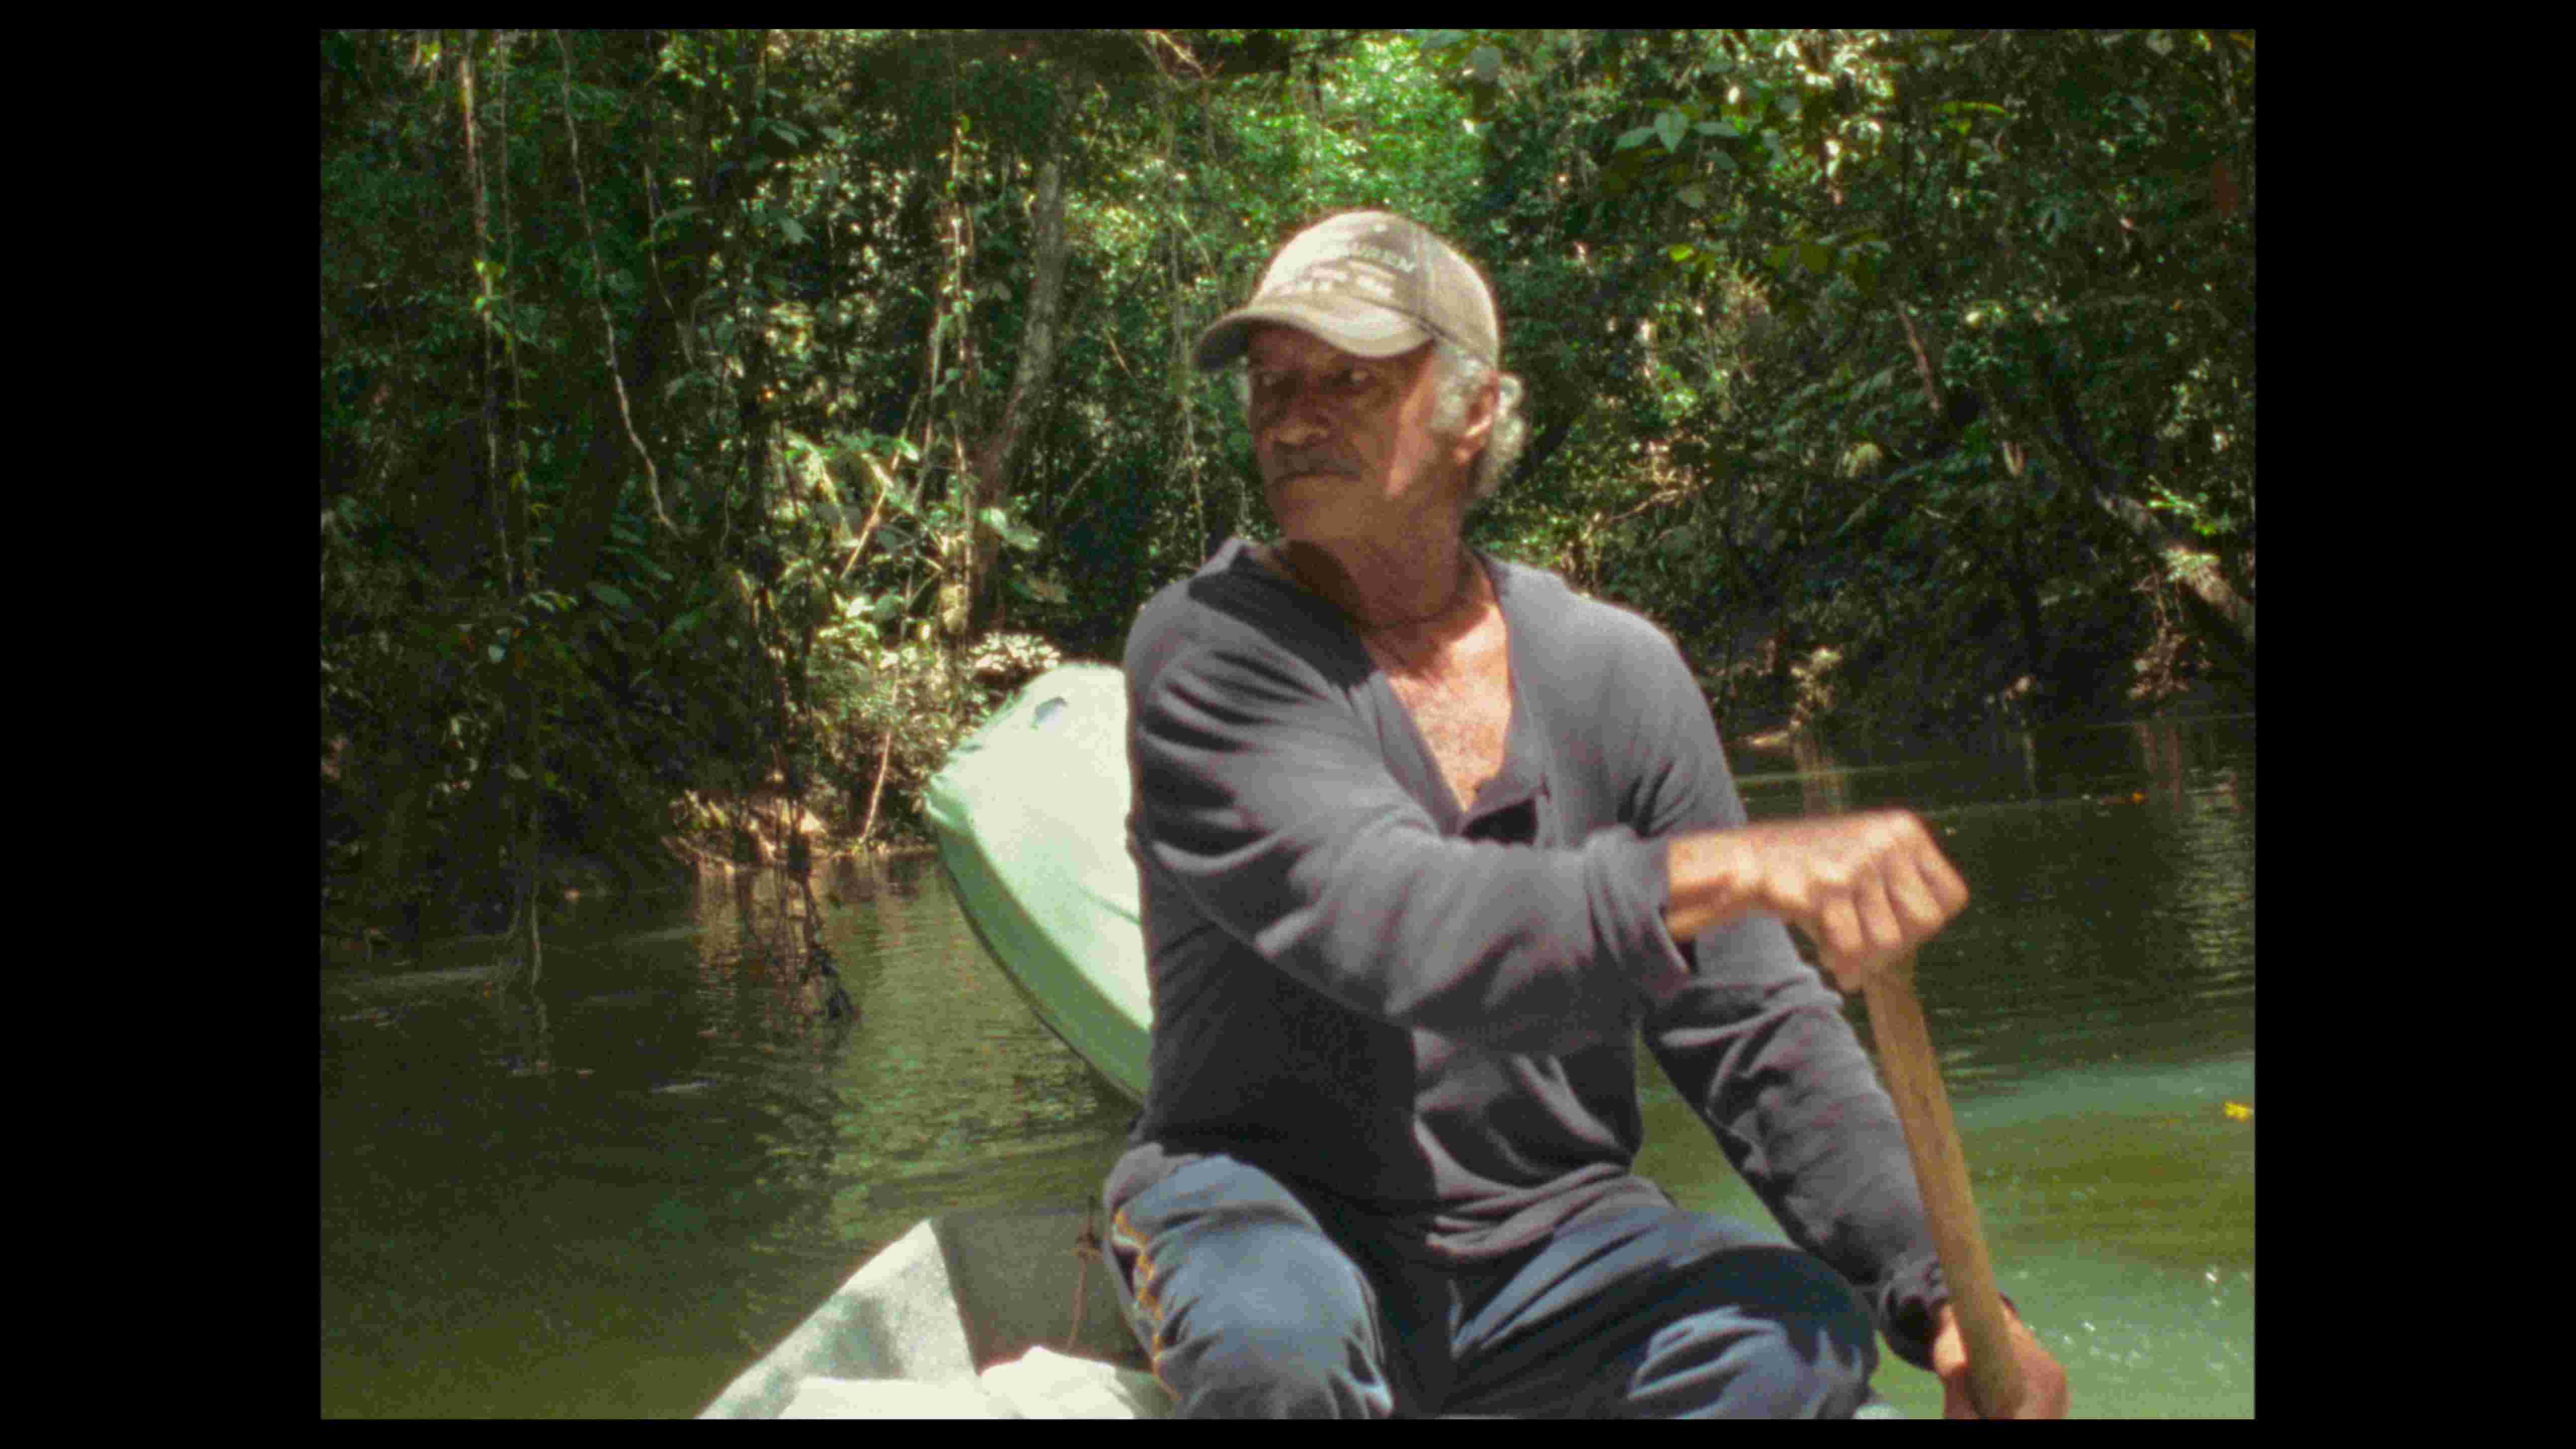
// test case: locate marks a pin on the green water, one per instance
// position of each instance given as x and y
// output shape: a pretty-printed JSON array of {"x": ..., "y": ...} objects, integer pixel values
[{"x": 611, "y": 1204}]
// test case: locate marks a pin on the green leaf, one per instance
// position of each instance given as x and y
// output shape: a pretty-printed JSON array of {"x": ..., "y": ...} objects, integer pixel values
[
  {"x": 1635, "y": 139},
  {"x": 1815, "y": 257},
  {"x": 1622, "y": 174},
  {"x": 794, "y": 232},
  {"x": 1679, "y": 251},
  {"x": 496, "y": 652},
  {"x": 1694, "y": 197},
  {"x": 1487, "y": 62},
  {"x": 1671, "y": 127},
  {"x": 614, "y": 597}
]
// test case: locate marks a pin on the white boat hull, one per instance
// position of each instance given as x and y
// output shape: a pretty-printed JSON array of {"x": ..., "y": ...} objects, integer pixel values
[{"x": 969, "y": 1316}]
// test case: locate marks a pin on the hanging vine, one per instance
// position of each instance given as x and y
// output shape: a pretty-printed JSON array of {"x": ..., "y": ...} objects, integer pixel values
[{"x": 599, "y": 292}]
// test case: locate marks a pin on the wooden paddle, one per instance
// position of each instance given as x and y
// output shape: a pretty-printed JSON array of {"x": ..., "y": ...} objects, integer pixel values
[{"x": 1914, "y": 1080}]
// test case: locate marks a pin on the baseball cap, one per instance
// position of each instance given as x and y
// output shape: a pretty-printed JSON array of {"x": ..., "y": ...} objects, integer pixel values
[{"x": 1370, "y": 283}]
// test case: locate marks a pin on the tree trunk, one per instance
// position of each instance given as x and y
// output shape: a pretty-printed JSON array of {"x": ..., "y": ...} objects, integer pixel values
[
  {"x": 2215, "y": 605},
  {"x": 2220, "y": 616},
  {"x": 1039, "y": 347},
  {"x": 2025, "y": 593},
  {"x": 391, "y": 846}
]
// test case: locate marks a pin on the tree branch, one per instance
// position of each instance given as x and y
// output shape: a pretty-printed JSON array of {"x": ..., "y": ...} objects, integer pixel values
[{"x": 1111, "y": 54}]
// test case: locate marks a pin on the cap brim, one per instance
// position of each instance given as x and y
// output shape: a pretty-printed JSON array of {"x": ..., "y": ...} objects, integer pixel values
[{"x": 1363, "y": 329}]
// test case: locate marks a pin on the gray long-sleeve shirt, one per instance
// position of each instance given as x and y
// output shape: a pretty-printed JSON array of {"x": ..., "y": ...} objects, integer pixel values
[{"x": 1431, "y": 1016}]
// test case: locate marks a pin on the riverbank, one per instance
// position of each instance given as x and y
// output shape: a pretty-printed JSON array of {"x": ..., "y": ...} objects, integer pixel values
[{"x": 764, "y": 831}]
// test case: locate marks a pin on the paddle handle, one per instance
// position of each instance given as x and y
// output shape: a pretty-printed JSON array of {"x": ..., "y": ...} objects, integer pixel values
[{"x": 1932, "y": 1140}]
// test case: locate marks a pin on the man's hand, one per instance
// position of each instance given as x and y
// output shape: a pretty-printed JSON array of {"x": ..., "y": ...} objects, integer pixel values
[
  {"x": 2043, "y": 1383},
  {"x": 1865, "y": 888}
]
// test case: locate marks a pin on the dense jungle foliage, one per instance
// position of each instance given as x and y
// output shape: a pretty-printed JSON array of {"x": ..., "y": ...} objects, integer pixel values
[{"x": 714, "y": 424}]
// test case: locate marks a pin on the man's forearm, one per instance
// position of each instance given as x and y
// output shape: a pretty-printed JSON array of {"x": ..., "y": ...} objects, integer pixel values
[
  {"x": 1863, "y": 887},
  {"x": 1707, "y": 883}
]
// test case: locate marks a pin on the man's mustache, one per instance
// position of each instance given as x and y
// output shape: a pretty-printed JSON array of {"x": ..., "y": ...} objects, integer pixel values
[{"x": 1307, "y": 464}]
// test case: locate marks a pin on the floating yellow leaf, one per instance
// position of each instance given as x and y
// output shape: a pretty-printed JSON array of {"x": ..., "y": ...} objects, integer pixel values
[{"x": 2238, "y": 1111}]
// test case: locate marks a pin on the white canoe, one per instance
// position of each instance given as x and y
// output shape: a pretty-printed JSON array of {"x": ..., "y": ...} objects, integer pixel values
[
  {"x": 967, "y": 1316},
  {"x": 970, "y": 1316}
]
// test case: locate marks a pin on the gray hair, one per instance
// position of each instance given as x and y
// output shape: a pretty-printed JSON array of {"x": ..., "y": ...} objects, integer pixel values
[{"x": 1462, "y": 375}]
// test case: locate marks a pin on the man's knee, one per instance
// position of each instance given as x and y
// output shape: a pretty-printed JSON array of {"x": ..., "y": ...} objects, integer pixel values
[
  {"x": 1248, "y": 1308},
  {"x": 1793, "y": 1340},
  {"x": 1293, "y": 1343}
]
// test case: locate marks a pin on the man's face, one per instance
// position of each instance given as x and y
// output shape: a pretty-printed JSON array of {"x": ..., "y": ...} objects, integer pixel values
[{"x": 1345, "y": 442}]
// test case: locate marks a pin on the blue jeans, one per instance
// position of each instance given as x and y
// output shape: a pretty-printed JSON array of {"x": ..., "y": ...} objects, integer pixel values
[{"x": 1255, "y": 1305}]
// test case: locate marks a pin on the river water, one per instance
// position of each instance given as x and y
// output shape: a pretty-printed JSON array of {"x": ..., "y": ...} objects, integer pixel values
[{"x": 611, "y": 1202}]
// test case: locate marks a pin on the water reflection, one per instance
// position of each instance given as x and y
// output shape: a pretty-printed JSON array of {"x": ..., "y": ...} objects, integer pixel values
[
  {"x": 2094, "y": 1012},
  {"x": 655, "y": 1164}
]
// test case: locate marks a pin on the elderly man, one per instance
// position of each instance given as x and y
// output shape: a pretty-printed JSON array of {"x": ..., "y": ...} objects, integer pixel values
[{"x": 1426, "y": 841}]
